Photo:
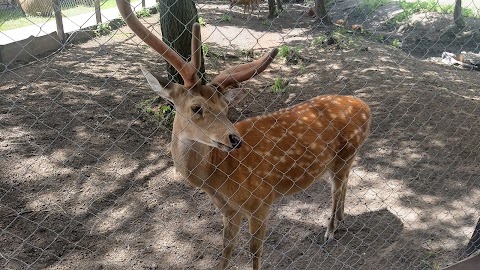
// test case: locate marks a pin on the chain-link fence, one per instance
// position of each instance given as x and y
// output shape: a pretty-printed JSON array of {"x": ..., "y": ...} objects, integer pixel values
[
  {"x": 36, "y": 27},
  {"x": 87, "y": 179}
]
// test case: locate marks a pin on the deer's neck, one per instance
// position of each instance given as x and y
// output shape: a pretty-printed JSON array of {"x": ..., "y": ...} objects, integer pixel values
[{"x": 196, "y": 162}]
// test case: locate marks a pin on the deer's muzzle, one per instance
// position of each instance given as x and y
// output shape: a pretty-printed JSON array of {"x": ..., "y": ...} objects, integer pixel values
[{"x": 235, "y": 140}]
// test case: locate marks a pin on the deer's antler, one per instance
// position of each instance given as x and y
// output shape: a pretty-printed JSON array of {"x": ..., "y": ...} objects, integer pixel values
[
  {"x": 188, "y": 70},
  {"x": 243, "y": 72}
]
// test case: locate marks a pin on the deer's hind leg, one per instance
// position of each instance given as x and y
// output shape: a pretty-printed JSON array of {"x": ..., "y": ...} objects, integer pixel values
[{"x": 342, "y": 164}]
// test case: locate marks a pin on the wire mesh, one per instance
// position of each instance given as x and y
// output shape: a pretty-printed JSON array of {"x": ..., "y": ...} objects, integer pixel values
[{"x": 87, "y": 178}]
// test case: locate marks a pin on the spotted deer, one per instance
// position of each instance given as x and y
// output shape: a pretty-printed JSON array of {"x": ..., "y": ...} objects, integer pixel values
[
  {"x": 247, "y": 4},
  {"x": 245, "y": 167}
]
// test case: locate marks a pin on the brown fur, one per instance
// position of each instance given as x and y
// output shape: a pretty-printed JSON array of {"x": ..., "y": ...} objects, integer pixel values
[
  {"x": 247, "y": 4},
  {"x": 282, "y": 153}
]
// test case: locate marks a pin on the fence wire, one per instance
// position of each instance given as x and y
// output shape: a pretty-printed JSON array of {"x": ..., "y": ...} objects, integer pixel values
[{"x": 87, "y": 179}]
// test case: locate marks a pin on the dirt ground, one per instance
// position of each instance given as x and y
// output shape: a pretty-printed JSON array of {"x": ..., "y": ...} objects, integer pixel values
[{"x": 87, "y": 182}]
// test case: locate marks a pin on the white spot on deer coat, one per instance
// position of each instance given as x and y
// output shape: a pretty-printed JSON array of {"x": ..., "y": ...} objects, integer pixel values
[{"x": 350, "y": 110}]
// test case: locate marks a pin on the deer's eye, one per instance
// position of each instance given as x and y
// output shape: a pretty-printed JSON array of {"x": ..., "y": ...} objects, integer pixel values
[{"x": 196, "y": 109}]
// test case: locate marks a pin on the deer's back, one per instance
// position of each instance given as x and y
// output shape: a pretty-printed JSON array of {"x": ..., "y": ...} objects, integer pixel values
[{"x": 287, "y": 150}]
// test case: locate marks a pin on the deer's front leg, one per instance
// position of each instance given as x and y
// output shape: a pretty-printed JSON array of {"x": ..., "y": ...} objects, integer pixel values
[
  {"x": 258, "y": 228},
  {"x": 231, "y": 222}
]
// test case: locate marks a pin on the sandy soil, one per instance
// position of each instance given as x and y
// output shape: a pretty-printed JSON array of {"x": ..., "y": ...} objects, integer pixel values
[{"x": 86, "y": 180}]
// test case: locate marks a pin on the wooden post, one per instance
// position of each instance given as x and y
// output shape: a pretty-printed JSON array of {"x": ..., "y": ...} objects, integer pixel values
[
  {"x": 143, "y": 4},
  {"x": 59, "y": 20},
  {"x": 98, "y": 14}
]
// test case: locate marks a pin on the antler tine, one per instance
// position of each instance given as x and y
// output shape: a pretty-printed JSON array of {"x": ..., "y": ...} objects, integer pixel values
[
  {"x": 186, "y": 70},
  {"x": 243, "y": 72},
  {"x": 196, "y": 46}
]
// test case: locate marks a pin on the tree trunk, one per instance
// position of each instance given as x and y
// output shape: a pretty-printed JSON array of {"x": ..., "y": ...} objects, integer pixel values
[
  {"x": 279, "y": 5},
  {"x": 271, "y": 9},
  {"x": 176, "y": 20},
  {"x": 321, "y": 11},
  {"x": 457, "y": 14},
  {"x": 274, "y": 7}
]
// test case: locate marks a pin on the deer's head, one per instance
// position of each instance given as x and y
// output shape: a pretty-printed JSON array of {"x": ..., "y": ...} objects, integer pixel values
[{"x": 201, "y": 109}]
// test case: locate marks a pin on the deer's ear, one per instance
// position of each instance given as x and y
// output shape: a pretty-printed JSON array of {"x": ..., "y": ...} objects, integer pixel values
[
  {"x": 234, "y": 95},
  {"x": 161, "y": 86}
]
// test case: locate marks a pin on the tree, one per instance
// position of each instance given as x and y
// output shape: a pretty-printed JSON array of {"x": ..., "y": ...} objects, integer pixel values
[
  {"x": 272, "y": 12},
  {"x": 457, "y": 14},
  {"x": 176, "y": 20},
  {"x": 321, "y": 11}
]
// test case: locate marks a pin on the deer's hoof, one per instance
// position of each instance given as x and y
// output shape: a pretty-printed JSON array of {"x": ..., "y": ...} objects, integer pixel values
[{"x": 329, "y": 237}]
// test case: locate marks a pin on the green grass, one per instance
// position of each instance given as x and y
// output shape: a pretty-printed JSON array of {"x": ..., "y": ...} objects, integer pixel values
[
  {"x": 426, "y": 6},
  {"x": 410, "y": 8},
  {"x": 396, "y": 43},
  {"x": 278, "y": 85},
  {"x": 102, "y": 29},
  {"x": 201, "y": 21},
  {"x": 372, "y": 5},
  {"x": 15, "y": 19},
  {"x": 328, "y": 3},
  {"x": 158, "y": 111},
  {"x": 283, "y": 51},
  {"x": 344, "y": 38},
  {"x": 340, "y": 38},
  {"x": 290, "y": 54},
  {"x": 144, "y": 12},
  {"x": 226, "y": 18},
  {"x": 12, "y": 19},
  {"x": 319, "y": 40},
  {"x": 205, "y": 49}
]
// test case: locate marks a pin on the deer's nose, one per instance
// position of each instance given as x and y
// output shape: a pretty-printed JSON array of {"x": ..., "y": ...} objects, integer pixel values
[{"x": 235, "y": 140}]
